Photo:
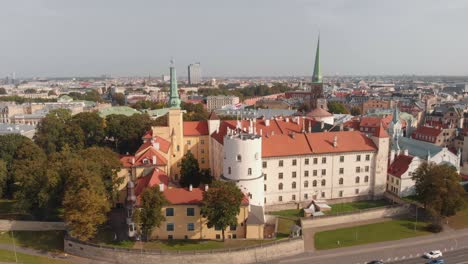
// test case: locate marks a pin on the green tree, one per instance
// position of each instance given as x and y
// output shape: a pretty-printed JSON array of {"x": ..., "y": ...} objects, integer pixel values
[
  {"x": 92, "y": 126},
  {"x": 107, "y": 164},
  {"x": 35, "y": 186},
  {"x": 30, "y": 91},
  {"x": 85, "y": 201},
  {"x": 438, "y": 188},
  {"x": 145, "y": 104},
  {"x": 54, "y": 132},
  {"x": 126, "y": 132},
  {"x": 205, "y": 176},
  {"x": 3, "y": 177},
  {"x": 119, "y": 98},
  {"x": 337, "y": 108},
  {"x": 355, "y": 111},
  {"x": 189, "y": 171},
  {"x": 51, "y": 92},
  {"x": 221, "y": 205},
  {"x": 8, "y": 145},
  {"x": 150, "y": 211},
  {"x": 194, "y": 112}
]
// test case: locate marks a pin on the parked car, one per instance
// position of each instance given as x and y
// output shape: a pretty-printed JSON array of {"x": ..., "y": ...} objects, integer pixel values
[
  {"x": 433, "y": 254},
  {"x": 436, "y": 261},
  {"x": 375, "y": 262}
]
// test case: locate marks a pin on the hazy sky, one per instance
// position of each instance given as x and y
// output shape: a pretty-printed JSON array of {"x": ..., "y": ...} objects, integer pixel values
[{"x": 232, "y": 38}]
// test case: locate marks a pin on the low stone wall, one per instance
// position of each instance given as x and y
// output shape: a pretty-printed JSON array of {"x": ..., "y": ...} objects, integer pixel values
[
  {"x": 263, "y": 253},
  {"x": 7, "y": 225},
  {"x": 363, "y": 215}
]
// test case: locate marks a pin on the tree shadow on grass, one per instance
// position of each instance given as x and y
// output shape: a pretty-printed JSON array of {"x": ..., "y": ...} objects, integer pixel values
[{"x": 40, "y": 240}]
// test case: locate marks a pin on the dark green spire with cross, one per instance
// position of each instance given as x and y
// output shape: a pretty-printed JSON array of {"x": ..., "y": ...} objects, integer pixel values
[
  {"x": 174, "y": 99},
  {"x": 317, "y": 76}
]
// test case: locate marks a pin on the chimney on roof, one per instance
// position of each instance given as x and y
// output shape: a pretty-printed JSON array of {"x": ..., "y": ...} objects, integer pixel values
[
  {"x": 272, "y": 133},
  {"x": 161, "y": 187},
  {"x": 405, "y": 152},
  {"x": 392, "y": 156},
  {"x": 156, "y": 145},
  {"x": 261, "y": 132},
  {"x": 341, "y": 127},
  {"x": 127, "y": 153},
  {"x": 286, "y": 119},
  {"x": 293, "y": 135},
  {"x": 322, "y": 124},
  {"x": 154, "y": 159},
  {"x": 335, "y": 141},
  {"x": 133, "y": 160},
  {"x": 310, "y": 126},
  {"x": 267, "y": 122},
  {"x": 190, "y": 187},
  {"x": 206, "y": 187}
]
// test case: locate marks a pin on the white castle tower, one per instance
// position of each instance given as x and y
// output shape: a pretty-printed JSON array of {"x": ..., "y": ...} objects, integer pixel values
[{"x": 243, "y": 164}]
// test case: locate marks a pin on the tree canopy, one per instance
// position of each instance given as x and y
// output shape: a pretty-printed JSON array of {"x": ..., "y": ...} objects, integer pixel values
[
  {"x": 189, "y": 171},
  {"x": 438, "y": 188},
  {"x": 337, "y": 108},
  {"x": 221, "y": 205}
]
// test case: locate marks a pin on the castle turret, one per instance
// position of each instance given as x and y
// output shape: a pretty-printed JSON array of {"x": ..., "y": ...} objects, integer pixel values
[{"x": 243, "y": 165}]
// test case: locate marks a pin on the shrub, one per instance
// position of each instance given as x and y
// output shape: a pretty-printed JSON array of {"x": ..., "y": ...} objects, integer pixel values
[{"x": 434, "y": 227}]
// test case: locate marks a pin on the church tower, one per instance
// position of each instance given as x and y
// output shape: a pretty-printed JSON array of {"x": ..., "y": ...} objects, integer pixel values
[
  {"x": 317, "y": 99},
  {"x": 176, "y": 127}
]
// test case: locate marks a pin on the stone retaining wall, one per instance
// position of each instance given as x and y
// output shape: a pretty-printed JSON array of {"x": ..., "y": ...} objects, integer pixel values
[
  {"x": 264, "y": 253},
  {"x": 7, "y": 225},
  {"x": 363, "y": 215}
]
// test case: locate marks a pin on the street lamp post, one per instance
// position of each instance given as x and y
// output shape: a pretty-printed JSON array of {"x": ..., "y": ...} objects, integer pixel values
[{"x": 14, "y": 246}]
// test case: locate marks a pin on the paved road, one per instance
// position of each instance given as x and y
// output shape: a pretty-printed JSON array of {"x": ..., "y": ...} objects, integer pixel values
[
  {"x": 392, "y": 251},
  {"x": 459, "y": 256}
]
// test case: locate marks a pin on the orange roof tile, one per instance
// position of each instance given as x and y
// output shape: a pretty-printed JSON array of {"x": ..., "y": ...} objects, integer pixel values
[
  {"x": 347, "y": 141},
  {"x": 195, "y": 128},
  {"x": 400, "y": 165},
  {"x": 148, "y": 154},
  {"x": 319, "y": 112},
  {"x": 183, "y": 196}
]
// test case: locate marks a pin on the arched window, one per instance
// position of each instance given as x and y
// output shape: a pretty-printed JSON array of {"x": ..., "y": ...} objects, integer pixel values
[
  {"x": 249, "y": 171},
  {"x": 293, "y": 185},
  {"x": 239, "y": 157},
  {"x": 366, "y": 179},
  {"x": 264, "y": 187},
  {"x": 323, "y": 182},
  {"x": 314, "y": 183},
  {"x": 341, "y": 181},
  {"x": 306, "y": 184},
  {"x": 229, "y": 170},
  {"x": 357, "y": 179},
  {"x": 280, "y": 186}
]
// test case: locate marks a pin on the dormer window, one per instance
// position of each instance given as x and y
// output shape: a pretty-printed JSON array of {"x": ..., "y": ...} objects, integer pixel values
[{"x": 145, "y": 161}]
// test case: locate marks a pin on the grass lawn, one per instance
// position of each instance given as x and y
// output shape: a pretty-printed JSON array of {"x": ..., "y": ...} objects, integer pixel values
[
  {"x": 385, "y": 231},
  {"x": 105, "y": 236},
  {"x": 41, "y": 240},
  {"x": 460, "y": 220},
  {"x": 200, "y": 244},
  {"x": 355, "y": 206},
  {"x": 291, "y": 213},
  {"x": 9, "y": 256},
  {"x": 284, "y": 227}
]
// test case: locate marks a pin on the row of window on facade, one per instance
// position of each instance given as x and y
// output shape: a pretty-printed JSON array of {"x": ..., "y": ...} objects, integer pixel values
[
  {"x": 306, "y": 173},
  {"x": 170, "y": 227},
  {"x": 202, "y": 142},
  {"x": 314, "y": 161},
  {"x": 306, "y": 196},
  {"x": 239, "y": 157},
  {"x": 314, "y": 183}
]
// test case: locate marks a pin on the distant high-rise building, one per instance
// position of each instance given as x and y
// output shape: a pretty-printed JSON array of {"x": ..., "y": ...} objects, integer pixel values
[{"x": 194, "y": 73}]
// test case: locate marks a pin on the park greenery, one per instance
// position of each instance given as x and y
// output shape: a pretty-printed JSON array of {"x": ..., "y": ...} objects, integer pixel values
[
  {"x": 191, "y": 174},
  {"x": 337, "y": 108},
  {"x": 221, "y": 205}
]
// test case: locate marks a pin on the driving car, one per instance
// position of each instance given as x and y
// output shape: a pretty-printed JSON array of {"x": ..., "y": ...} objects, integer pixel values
[
  {"x": 433, "y": 254},
  {"x": 436, "y": 261}
]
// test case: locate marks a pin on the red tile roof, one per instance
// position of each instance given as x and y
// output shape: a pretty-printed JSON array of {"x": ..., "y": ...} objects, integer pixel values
[
  {"x": 148, "y": 154},
  {"x": 126, "y": 161},
  {"x": 319, "y": 112},
  {"x": 195, "y": 128},
  {"x": 428, "y": 134},
  {"x": 163, "y": 144},
  {"x": 400, "y": 165},
  {"x": 183, "y": 196},
  {"x": 148, "y": 135},
  {"x": 381, "y": 132},
  {"x": 316, "y": 143},
  {"x": 155, "y": 178}
]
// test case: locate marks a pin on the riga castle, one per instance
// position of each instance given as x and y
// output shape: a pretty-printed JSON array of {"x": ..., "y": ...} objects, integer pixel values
[{"x": 275, "y": 162}]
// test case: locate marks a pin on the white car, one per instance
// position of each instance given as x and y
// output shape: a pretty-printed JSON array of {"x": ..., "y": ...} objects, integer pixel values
[{"x": 433, "y": 254}]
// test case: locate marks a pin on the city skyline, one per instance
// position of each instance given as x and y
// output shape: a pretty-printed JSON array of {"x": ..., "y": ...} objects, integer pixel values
[{"x": 54, "y": 39}]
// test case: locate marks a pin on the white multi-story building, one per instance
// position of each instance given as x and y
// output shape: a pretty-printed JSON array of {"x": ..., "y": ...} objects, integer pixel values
[
  {"x": 194, "y": 73},
  {"x": 218, "y": 102}
]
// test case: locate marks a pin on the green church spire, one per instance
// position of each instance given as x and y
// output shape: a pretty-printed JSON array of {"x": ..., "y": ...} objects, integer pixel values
[
  {"x": 174, "y": 100},
  {"x": 317, "y": 77}
]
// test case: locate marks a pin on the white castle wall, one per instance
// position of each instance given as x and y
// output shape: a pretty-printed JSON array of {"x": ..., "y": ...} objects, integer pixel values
[{"x": 243, "y": 164}]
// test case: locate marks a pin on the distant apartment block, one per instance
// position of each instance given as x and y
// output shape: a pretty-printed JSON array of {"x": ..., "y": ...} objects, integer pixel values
[
  {"x": 194, "y": 73},
  {"x": 217, "y": 102}
]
